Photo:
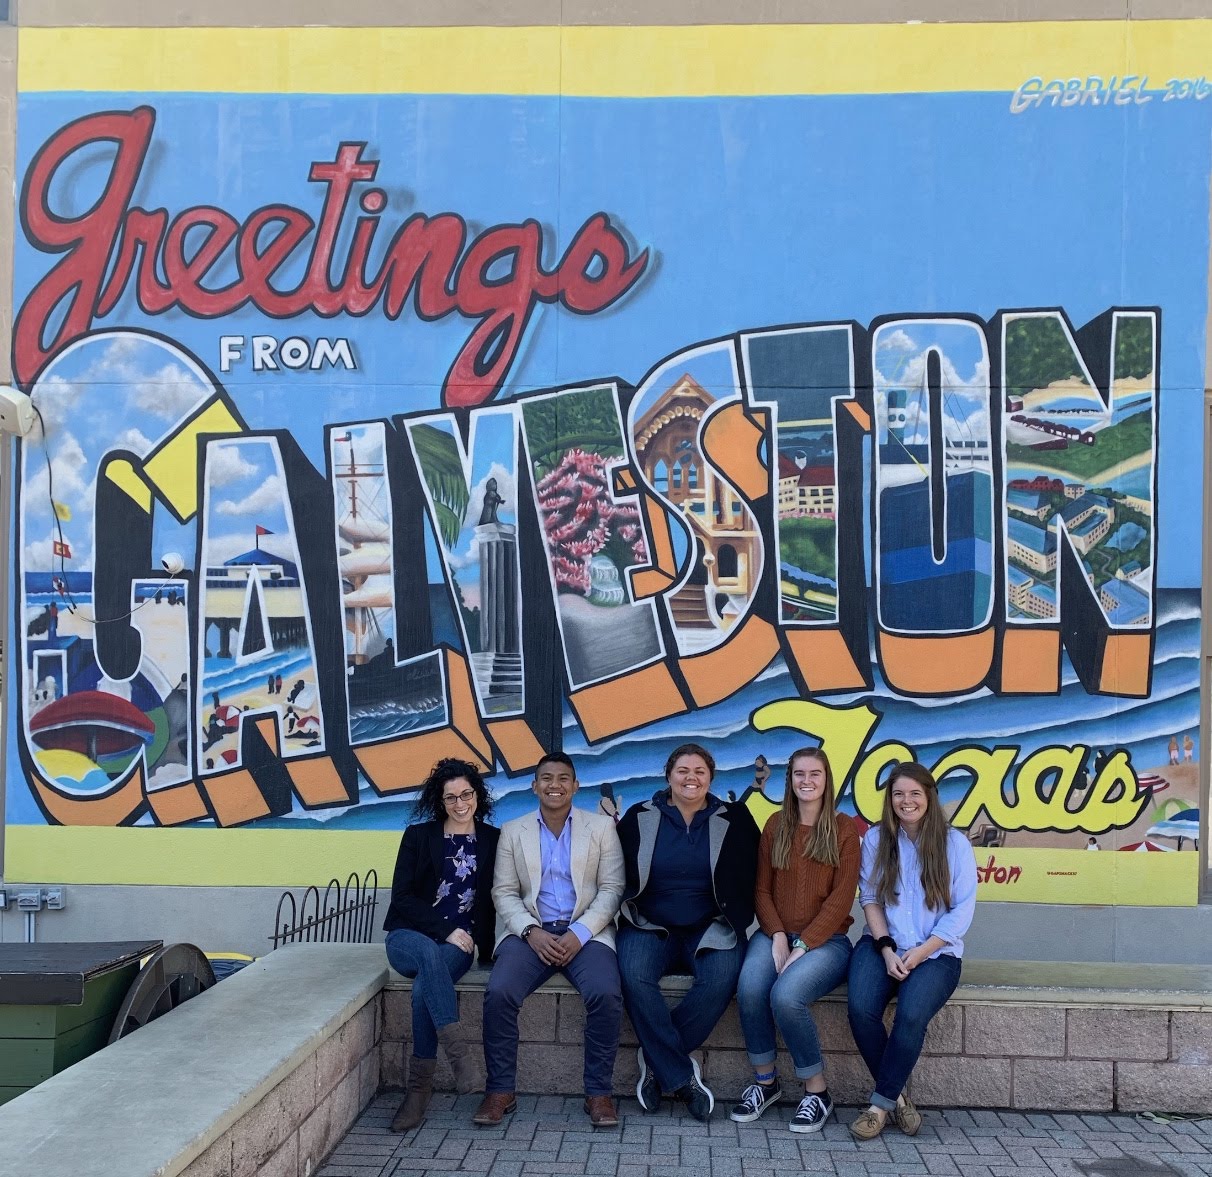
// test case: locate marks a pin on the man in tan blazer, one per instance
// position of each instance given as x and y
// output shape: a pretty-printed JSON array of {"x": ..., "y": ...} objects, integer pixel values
[{"x": 557, "y": 886}]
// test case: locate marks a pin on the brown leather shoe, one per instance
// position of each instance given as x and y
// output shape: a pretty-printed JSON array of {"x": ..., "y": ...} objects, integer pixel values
[
  {"x": 494, "y": 1107},
  {"x": 601, "y": 1111}
]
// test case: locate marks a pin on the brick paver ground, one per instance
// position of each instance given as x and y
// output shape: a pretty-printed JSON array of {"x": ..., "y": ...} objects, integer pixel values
[{"x": 550, "y": 1135}]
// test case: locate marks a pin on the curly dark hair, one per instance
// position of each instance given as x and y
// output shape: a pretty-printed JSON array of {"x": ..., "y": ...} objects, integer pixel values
[{"x": 431, "y": 807}]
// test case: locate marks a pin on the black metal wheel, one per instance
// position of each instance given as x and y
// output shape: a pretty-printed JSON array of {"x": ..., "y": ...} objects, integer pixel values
[{"x": 172, "y": 975}]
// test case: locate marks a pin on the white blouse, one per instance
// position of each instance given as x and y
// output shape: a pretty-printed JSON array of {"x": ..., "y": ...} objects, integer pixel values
[{"x": 910, "y": 921}]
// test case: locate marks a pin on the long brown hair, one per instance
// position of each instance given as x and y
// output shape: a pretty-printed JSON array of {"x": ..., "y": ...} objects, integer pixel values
[
  {"x": 821, "y": 844},
  {"x": 931, "y": 843}
]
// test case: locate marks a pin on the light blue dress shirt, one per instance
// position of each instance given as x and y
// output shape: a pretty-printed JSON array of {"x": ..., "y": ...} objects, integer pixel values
[
  {"x": 910, "y": 921},
  {"x": 557, "y": 897}
]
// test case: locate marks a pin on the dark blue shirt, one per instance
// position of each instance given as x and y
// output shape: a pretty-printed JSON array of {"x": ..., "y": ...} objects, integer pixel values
[
  {"x": 457, "y": 890},
  {"x": 680, "y": 895}
]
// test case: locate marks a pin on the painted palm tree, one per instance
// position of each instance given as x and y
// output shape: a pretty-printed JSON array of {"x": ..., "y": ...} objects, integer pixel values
[{"x": 442, "y": 469}]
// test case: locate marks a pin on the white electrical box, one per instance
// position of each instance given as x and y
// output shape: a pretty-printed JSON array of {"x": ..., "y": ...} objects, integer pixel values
[{"x": 16, "y": 412}]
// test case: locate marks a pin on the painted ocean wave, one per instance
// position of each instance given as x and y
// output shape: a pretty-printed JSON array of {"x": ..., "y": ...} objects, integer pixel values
[
  {"x": 385, "y": 720},
  {"x": 252, "y": 674},
  {"x": 980, "y": 717},
  {"x": 632, "y": 763}
]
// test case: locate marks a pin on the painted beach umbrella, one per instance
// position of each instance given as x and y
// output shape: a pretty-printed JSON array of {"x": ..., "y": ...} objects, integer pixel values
[
  {"x": 1151, "y": 783},
  {"x": 1146, "y": 846},
  {"x": 94, "y": 723},
  {"x": 1183, "y": 823},
  {"x": 229, "y": 716}
]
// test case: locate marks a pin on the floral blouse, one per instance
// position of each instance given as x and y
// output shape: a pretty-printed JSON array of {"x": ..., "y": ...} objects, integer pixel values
[{"x": 457, "y": 890}]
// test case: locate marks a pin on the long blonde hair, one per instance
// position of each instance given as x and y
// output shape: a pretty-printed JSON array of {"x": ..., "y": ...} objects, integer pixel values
[
  {"x": 821, "y": 844},
  {"x": 931, "y": 843}
]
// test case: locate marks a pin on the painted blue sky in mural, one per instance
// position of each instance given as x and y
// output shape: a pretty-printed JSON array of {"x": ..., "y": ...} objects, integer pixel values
[
  {"x": 109, "y": 392},
  {"x": 824, "y": 233},
  {"x": 900, "y": 363},
  {"x": 826, "y": 209},
  {"x": 248, "y": 495}
]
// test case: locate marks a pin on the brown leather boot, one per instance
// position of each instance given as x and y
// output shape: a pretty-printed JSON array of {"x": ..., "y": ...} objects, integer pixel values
[
  {"x": 494, "y": 1107},
  {"x": 465, "y": 1063},
  {"x": 416, "y": 1095}
]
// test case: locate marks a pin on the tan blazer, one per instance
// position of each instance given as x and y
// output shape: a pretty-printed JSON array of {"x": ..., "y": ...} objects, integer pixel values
[{"x": 597, "y": 874}]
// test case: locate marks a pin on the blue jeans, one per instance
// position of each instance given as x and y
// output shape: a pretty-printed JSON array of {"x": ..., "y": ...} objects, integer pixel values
[
  {"x": 518, "y": 972},
  {"x": 668, "y": 1036},
  {"x": 765, "y": 997},
  {"x": 435, "y": 967},
  {"x": 891, "y": 1057}
]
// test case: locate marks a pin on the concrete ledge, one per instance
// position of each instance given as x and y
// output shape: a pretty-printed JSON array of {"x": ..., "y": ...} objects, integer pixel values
[
  {"x": 1049, "y": 982},
  {"x": 1027, "y": 1035},
  {"x": 264, "y": 1072}
]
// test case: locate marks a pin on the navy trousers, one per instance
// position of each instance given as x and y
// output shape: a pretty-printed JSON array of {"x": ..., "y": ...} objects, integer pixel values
[{"x": 517, "y": 973}]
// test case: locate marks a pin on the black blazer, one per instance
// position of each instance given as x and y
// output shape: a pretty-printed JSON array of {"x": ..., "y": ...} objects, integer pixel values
[
  {"x": 733, "y": 859},
  {"x": 415, "y": 884}
]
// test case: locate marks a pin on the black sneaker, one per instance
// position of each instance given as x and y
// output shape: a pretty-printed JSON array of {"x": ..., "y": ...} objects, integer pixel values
[
  {"x": 812, "y": 1113},
  {"x": 755, "y": 1099},
  {"x": 647, "y": 1090},
  {"x": 696, "y": 1095}
]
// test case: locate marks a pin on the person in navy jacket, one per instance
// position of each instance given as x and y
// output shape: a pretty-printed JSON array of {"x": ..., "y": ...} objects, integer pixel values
[{"x": 690, "y": 860}]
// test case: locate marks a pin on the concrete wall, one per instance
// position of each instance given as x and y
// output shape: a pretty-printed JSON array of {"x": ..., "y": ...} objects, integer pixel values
[
  {"x": 227, "y": 919},
  {"x": 1003, "y": 1050}
]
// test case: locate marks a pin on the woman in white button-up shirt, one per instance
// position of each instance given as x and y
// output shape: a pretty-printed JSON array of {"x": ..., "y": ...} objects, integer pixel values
[{"x": 917, "y": 885}]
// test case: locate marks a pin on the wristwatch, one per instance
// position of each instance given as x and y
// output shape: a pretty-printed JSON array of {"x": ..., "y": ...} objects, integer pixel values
[{"x": 531, "y": 928}]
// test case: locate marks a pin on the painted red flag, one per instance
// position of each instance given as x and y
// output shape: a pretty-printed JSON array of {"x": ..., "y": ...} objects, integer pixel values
[
  {"x": 263, "y": 531},
  {"x": 60, "y": 548}
]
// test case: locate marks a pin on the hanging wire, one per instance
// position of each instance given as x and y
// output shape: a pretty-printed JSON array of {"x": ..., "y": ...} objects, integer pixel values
[{"x": 63, "y": 587}]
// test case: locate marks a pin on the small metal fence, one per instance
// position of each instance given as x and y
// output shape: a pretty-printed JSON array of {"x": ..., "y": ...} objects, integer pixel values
[{"x": 342, "y": 915}]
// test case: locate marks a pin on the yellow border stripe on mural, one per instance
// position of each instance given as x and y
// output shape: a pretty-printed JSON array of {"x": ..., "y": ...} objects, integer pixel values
[
  {"x": 297, "y": 858},
  {"x": 646, "y": 61},
  {"x": 199, "y": 857}
]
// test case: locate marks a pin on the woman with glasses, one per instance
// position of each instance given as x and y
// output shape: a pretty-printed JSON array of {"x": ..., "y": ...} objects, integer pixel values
[
  {"x": 917, "y": 886},
  {"x": 441, "y": 910},
  {"x": 808, "y": 868},
  {"x": 690, "y": 860}
]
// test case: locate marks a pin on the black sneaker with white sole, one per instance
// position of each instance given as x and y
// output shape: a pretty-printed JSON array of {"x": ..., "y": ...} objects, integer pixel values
[
  {"x": 755, "y": 1099},
  {"x": 812, "y": 1113},
  {"x": 647, "y": 1090},
  {"x": 696, "y": 1095}
]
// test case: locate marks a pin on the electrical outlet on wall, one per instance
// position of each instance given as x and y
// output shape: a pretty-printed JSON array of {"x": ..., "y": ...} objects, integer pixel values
[{"x": 56, "y": 898}]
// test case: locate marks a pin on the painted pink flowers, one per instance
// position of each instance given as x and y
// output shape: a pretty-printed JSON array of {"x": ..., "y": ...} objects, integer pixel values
[{"x": 581, "y": 520}]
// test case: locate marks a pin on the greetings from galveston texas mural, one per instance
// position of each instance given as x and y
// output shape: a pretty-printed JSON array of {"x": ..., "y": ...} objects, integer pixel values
[{"x": 384, "y": 427}]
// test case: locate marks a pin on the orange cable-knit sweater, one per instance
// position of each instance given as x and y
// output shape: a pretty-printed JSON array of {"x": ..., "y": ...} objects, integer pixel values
[{"x": 808, "y": 898}]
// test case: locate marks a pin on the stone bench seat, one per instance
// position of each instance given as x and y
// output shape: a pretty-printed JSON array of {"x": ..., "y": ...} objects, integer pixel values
[
  {"x": 264, "y": 1073},
  {"x": 1022, "y": 1034}
]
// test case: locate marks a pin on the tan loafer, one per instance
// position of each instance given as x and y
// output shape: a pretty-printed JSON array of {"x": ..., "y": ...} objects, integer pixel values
[
  {"x": 601, "y": 1111},
  {"x": 494, "y": 1107},
  {"x": 868, "y": 1125},
  {"x": 908, "y": 1118}
]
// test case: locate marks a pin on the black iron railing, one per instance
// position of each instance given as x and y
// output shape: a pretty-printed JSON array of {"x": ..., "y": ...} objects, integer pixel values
[{"x": 341, "y": 915}]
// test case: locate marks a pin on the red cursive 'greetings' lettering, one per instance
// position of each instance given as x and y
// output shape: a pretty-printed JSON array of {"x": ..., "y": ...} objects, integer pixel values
[{"x": 497, "y": 280}]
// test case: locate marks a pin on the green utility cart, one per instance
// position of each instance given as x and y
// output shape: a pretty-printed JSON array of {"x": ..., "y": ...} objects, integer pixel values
[{"x": 58, "y": 1003}]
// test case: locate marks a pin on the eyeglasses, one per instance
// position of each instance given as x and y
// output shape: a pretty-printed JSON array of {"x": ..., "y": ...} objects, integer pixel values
[{"x": 458, "y": 798}]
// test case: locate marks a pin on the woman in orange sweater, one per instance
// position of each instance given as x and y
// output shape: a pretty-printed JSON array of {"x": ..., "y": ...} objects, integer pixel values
[{"x": 808, "y": 868}]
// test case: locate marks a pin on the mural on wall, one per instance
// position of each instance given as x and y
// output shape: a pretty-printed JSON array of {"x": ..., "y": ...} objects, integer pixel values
[{"x": 329, "y": 486}]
